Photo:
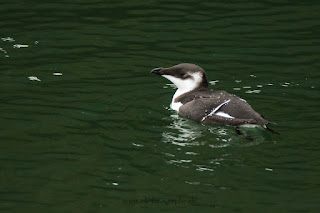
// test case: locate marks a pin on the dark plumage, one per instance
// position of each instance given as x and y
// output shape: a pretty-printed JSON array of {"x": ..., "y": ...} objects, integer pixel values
[
  {"x": 196, "y": 101},
  {"x": 199, "y": 104}
]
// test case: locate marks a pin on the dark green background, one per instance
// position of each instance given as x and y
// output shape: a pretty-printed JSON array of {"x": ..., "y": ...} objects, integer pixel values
[{"x": 101, "y": 135}]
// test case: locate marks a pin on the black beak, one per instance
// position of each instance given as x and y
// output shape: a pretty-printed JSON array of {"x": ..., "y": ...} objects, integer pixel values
[{"x": 157, "y": 71}]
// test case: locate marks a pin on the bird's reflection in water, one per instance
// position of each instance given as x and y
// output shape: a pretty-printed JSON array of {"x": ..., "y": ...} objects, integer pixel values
[
  {"x": 183, "y": 132},
  {"x": 193, "y": 141},
  {"x": 189, "y": 139},
  {"x": 186, "y": 133}
]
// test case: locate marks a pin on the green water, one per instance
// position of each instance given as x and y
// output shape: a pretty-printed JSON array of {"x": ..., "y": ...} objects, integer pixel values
[{"x": 94, "y": 133}]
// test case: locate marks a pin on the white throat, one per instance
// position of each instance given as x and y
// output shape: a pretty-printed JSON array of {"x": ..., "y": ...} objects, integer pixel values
[{"x": 184, "y": 86}]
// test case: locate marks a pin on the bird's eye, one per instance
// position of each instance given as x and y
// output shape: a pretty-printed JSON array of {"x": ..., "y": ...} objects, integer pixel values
[{"x": 183, "y": 74}]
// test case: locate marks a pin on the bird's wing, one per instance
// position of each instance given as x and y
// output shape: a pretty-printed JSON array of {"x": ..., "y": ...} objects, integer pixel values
[{"x": 225, "y": 110}]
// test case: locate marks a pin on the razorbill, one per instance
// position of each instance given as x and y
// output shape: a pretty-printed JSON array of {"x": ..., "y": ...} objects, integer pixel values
[{"x": 194, "y": 100}]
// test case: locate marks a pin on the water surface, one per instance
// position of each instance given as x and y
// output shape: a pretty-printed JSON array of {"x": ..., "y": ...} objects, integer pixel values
[{"x": 86, "y": 128}]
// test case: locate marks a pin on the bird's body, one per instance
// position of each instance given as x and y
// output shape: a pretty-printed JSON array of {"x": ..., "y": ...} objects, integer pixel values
[
  {"x": 194, "y": 100},
  {"x": 217, "y": 107}
]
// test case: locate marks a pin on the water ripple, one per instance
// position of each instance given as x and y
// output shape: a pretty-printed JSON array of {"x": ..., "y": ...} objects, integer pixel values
[{"x": 85, "y": 125}]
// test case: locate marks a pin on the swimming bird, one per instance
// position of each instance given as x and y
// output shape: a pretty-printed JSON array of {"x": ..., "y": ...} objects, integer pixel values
[{"x": 194, "y": 100}]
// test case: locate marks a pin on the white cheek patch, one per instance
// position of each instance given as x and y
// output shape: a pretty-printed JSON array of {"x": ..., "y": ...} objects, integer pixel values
[
  {"x": 182, "y": 84},
  {"x": 186, "y": 84}
]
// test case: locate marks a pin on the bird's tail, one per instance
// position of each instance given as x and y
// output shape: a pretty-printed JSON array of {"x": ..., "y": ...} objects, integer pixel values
[{"x": 271, "y": 130}]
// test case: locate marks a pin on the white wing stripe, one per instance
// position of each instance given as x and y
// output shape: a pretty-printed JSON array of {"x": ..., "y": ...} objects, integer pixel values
[
  {"x": 215, "y": 109},
  {"x": 223, "y": 114}
]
